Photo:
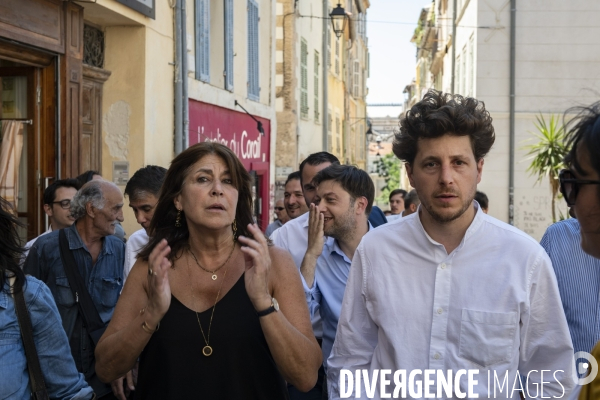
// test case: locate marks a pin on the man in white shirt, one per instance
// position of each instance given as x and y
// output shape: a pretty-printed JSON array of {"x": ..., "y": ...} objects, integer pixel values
[
  {"x": 293, "y": 197},
  {"x": 57, "y": 206},
  {"x": 142, "y": 190},
  {"x": 450, "y": 289}
]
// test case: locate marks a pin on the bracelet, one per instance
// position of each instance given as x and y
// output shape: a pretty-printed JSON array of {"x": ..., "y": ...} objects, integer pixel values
[
  {"x": 149, "y": 330},
  {"x": 145, "y": 326}
]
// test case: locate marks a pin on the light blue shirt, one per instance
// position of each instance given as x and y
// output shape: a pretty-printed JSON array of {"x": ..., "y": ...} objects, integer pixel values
[
  {"x": 578, "y": 277},
  {"x": 327, "y": 292},
  {"x": 57, "y": 365}
]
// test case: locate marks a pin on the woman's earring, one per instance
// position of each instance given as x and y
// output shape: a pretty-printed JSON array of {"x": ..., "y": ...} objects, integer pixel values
[
  {"x": 234, "y": 227},
  {"x": 178, "y": 219}
]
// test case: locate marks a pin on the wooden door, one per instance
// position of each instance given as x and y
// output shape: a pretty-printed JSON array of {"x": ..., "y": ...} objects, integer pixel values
[
  {"x": 36, "y": 88},
  {"x": 91, "y": 115}
]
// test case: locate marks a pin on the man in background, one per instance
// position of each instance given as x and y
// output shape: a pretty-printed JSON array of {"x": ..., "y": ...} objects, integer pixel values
[
  {"x": 57, "y": 206},
  {"x": 483, "y": 201},
  {"x": 411, "y": 203},
  {"x": 98, "y": 258},
  {"x": 142, "y": 190},
  {"x": 293, "y": 198},
  {"x": 281, "y": 218}
]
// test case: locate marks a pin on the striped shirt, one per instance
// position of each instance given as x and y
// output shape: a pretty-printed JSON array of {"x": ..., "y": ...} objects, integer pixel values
[{"x": 578, "y": 276}]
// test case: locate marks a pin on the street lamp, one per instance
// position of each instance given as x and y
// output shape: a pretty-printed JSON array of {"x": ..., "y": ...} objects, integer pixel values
[{"x": 338, "y": 20}]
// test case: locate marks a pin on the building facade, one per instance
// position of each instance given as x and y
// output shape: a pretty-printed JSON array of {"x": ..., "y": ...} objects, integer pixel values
[
  {"x": 320, "y": 84},
  {"x": 90, "y": 87},
  {"x": 230, "y": 83},
  {"x": 555, "y": 67}
]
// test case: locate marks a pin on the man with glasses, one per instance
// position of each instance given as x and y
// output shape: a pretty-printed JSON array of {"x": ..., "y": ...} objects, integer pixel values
[
  {"x": 580, "y": 186},
  {"x": 57, "y": 204},
  {"x": 282, "y": 218}
]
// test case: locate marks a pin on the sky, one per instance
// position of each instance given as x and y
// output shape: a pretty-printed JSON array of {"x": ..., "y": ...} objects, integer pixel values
[{"x": 390, "y": 26}]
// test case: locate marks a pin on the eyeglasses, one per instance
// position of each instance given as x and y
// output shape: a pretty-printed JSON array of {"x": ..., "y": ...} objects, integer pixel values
[
  {"x": 65, "y": 204},
  {"x": 279, "y": 208},
  {"x": 569, "y": 186}
]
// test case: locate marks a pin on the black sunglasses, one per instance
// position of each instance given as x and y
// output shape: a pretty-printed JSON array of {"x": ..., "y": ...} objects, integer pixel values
[
  {"x": 569, "y": 186},
  {"x": 279, "y": 208},
  {"x": 66, "y": 203}
]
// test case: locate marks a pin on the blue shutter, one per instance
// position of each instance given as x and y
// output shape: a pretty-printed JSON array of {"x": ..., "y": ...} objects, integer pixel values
[
  {"x": 229, "y": 44},
  {"x": 203, "y": 40},
  {"x": 253, "y": 82}
]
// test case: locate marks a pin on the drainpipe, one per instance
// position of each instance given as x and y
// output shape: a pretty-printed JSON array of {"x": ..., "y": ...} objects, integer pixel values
[
  {"x": 178, "y": 80},
  {"x": 454, "y": 6},
  {"x": 184, "y": 77},
  {"x": 511, "y": 158},
  {"x": 325, "y": 113}
]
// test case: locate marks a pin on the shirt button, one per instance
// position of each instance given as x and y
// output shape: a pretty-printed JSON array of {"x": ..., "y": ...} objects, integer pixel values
[
  {"x": 439, "y": 311},
  {"x": 443, "y": 265},
  {"x": 436, "y": 356}
]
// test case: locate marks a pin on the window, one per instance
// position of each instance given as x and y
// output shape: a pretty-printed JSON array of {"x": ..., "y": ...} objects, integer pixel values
[
  {"x": 356, "y": 80},
  {"x": 303, "y": 78},
  {"x": 228, "y": 45},
  {"x": 457, "y": 77},
  {"x": 253, "y": 72},
  {"x": 463, "y": 75},
  {"x": 471, "y": 66},
  {"x": 337, "y": 56},
  {"x": 202, "y": 25},
  {"x": 316, "y": 88}
]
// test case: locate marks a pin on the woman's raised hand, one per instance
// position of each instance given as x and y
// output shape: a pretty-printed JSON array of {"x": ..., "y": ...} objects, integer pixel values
[
  {"x": 258, "y": 267},
  {"x": 159, "y": 291}
]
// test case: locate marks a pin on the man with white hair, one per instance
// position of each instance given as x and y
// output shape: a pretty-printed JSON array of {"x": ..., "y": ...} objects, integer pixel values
[{"x": 90, "y": 255}]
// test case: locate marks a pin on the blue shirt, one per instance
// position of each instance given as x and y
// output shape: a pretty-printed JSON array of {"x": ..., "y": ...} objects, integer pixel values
[
  {"x": 578, "y": 277},
  {"x": 61, "y": 377},
  {"x": 327, "y": 292},
  {"x": 104, "y": 282}
]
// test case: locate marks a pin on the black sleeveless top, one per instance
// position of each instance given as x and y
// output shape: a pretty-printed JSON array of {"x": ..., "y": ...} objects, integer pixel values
[{"x": 172, "y": 365}]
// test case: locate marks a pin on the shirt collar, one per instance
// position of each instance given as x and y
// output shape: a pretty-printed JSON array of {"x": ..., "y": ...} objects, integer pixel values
[
  {"x": 333, "y": 246},
  {"x": 475, "y": 224},
  {"x": 75, "y": 241}
]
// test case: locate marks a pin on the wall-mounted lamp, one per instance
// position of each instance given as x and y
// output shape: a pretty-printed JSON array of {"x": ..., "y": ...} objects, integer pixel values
[
  {"x": 259, "y": 125},
  {"x": 338, "y": 20}
]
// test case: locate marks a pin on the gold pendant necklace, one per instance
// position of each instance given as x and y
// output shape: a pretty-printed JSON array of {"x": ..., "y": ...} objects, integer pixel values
[
  {"x": 214, "y": 275},
  {"x": 208, "y": 350}
]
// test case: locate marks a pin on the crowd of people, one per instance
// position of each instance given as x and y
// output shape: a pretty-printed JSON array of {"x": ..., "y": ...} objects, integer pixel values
[{"x": 200, "y": 302}]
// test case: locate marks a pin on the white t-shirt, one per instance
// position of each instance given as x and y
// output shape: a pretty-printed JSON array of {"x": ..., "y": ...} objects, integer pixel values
[{"x": 137, "y": 240}]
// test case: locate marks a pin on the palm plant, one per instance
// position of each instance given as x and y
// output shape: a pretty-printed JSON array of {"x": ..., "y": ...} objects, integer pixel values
[{"x": 547, "y": 154}]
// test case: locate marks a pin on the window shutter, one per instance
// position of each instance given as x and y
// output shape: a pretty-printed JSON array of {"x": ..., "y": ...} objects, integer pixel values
[
  {"x": 316, "y": 89},
  {"x": 203, "y": 40},
  {"x": 229, "y": 44},
  {"x": 253, "y": 72},
  {"x": 303, "y": 78}
]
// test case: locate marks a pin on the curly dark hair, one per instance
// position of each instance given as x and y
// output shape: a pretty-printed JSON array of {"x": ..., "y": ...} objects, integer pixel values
[
  {"x": 438, "y": 114},
  {"x": 162, "y": 225},
  {"x": 583, "y": 128}
]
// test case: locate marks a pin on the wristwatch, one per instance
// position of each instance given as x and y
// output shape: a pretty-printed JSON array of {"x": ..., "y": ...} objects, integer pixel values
[{"x": 274, "y": 307}]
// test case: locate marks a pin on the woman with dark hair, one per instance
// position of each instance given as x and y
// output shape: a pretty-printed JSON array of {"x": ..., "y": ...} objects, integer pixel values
[
  {"x": 62, "y": 381},
  {"x": 199, "y": 307}
]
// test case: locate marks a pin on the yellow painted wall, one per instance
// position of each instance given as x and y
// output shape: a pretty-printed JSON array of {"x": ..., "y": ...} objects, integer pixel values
[{"x": 137, "y": 107}]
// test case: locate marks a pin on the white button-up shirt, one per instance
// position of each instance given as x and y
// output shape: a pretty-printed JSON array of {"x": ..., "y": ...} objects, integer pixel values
[
  {"x": 492, "y": 305},
  {"x": 293, "y": 236}
]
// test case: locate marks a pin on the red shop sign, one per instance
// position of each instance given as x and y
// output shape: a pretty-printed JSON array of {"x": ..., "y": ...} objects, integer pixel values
[{"x": 236, "y": 130}]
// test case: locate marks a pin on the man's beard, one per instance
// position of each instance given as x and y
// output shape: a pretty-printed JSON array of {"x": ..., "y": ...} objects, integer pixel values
[
  {"x": 343, "y": 226},
  {"x": 444, "y": 218}
]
